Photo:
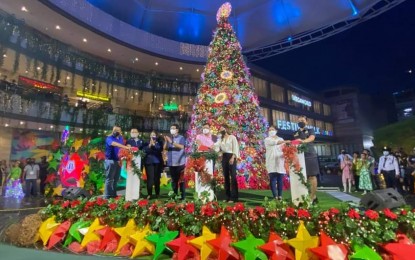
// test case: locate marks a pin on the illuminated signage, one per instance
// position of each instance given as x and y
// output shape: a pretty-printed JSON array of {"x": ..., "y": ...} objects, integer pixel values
[
  {"x": 170, "y": 107},
  {"x": 80, "y": 93},
  {"x": 301, "y": 100},
  {"x": 293, "y": 126},
  {"x": 27, "y": 82}
]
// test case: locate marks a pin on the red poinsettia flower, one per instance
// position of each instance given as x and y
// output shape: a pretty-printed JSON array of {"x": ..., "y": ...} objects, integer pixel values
[
  {"x": 353, "y": 214},
  {"x": 100, "y": 201},
  {"x": 371, "y": 214},
  {"x": 207, "y": 210},
  {"x": 112, "y": 206},
  {"x": 260, "y": 210},
  {"x": 65, "y": 204},
  {"x": 190, "y": 207},
  {"x": 404, "y": 212},
  {"x": 75, "y": 203},
  {"x": 303, "y": 213},
  {"x": 334, "y": 211},
  {"x": 239, "y": 207},
  {"x": 142, "y": 203},
  {"x": 390, "y": 214},
  {"x": 127, "y": 205},
  {"x": 290, "y": 212}
]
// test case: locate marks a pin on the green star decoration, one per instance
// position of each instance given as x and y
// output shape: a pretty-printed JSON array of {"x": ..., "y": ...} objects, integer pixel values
[
  {"x": 53, "y": 164},
  {"x": 160, "y": 240},
  {"x": 74, "y": 232},
  {"x": 249, "y": 247},
  {"x": 364, "y": 252},
  {"x": 57, "y": 155}
]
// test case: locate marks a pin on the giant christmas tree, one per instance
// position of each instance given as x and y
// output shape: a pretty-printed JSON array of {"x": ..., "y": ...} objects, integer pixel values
[{"x": 226, "y": 97}]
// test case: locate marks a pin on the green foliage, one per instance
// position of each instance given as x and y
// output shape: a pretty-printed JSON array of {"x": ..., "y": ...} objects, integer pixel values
[{"x": 400, "y": 134}]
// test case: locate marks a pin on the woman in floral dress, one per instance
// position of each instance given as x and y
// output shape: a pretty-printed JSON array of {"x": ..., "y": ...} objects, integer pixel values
[{"x": 363, "y": 167}]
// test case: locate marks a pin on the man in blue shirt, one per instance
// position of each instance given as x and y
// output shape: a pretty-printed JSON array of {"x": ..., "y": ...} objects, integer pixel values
[
  {"x": 176, "y": 158},
  {"x": 113, "y": 143}
]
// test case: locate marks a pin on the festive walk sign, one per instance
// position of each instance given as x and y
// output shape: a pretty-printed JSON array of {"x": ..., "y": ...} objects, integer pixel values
[{"x": 226, "y": 98}]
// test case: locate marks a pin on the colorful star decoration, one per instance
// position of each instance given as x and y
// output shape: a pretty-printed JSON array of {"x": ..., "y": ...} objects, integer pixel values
[
  {"x": 109, "y": 240},
  {"x": 276, "y": 249},
  {"x": 59, "y": 234},
  {"x": 164, "y": 180},
  {"x": 142, "y": 245},
  {"x": 58, "y": 190},
  {"x": 46, "y": 229},
  {"x": 249, "y": 247},
  {"x": 160, "y": 240},
  {"x": 125, "y": 232},
  {"x": 201, "y": 242},
  {"x": 302, "y": 242},
  {"x": 222, "y": 245},
  {"x": 182, "y": 248},
  {"x": 403, "y": 250},
  {"x": 363, "y": 252},
  {"x": 329, "y": 249},
  {"x": 74, "y": 232},
  {"x": 77, "y": 144},
  {"x": 91, "y": 234}
]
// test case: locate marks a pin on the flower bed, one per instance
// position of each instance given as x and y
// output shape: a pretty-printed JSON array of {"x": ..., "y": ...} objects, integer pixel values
[{"x": 344, "y": 225}]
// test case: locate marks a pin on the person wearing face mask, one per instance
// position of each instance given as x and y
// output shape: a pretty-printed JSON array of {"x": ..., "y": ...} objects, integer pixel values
[
  {"x": 135, "y": 141},
  {"x": 274, "y": 161},
  {"x": 113, "y": 144},
  {"x": 307, "y": 136},
  {"x": 153, "y": 164},
  {"x": 204, "y": 141},
  {"x": 176, "y": 158},
  {"x": 389, "y": 167},
  {"x": 30, "y": 176},
  {"x": 229, "y": 146}
]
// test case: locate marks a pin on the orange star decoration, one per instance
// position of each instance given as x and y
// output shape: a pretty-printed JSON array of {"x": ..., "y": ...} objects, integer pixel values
[
  {"x": 58, "y": 190},
  {"x": 77, "y": 144},
  {"x": 302, "y": 242},
  {"x": 403, "y": 250},
  {"x": 182, "y": 248},
  {"x": 125, "y": 233},
  {"x": 90, "y": 233},
  {"x": 47, "y": 228},
  {"x": 276, "y": 249},
  {"x": 329, "y": 249},
  {"x": 222, "y": 245},
  {"x": 201, "y": 243},
  {"x": 141, "y": 243}
]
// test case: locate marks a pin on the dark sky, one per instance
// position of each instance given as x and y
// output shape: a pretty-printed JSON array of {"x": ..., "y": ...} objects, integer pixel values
[{"x": 374, "y": 56}]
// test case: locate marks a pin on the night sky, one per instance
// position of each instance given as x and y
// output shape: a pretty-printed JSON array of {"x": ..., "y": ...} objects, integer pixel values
[{"x": 374, "y": 56}]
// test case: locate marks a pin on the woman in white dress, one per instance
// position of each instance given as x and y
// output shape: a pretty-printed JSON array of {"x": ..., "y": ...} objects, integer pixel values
[{"x": 274, "y": 161}]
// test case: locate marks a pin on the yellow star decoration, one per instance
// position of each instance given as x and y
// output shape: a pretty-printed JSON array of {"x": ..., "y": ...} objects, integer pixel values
[
  {"x": 164, "y": 180},
  {"x": 93, "y": 152},
  {"x": 77, "y": 144},
  {"x": 125, "y": 233},
  {"x": 302, "y": 242},
  {"x": 91, "y": 234},
  {"x": 47, "y": 228},
  {"x": 58, "y": 190},
  {"x": 200, "y": 243},
  {"x": 86, "y": 168},
  {"x": 81, "y": 182},
  {"x": 141, "y": 243}
]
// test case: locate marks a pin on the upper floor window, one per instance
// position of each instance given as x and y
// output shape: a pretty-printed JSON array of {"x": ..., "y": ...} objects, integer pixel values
[{"x": 277, "y": 93}]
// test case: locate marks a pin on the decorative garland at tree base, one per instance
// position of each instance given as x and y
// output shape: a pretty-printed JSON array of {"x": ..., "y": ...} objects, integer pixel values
[{"x": 353, "y": 232}]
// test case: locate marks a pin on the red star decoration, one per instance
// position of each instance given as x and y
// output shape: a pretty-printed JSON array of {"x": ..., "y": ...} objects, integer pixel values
[
  {"x": 276, "y": 249},
  {"x": 85, "y": 142},
  {"x": 222, "y": 246},
  {"x": 403, "y": 250},
  {"x": 109, "y": 238},
  {"x": 100, "y": 156},
  {"x": 183, "y": 249},
  {"x": 59, "y": 234},
  {"x": 50, "y": 178},
  {"x": 55, "y": 145},
  {"x": 329, "y": 249}
]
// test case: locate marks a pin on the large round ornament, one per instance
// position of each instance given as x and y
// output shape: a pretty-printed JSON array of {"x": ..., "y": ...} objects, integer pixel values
[
  {"x": 220, "y": 98},
  {"x": 226, "y": 74}
]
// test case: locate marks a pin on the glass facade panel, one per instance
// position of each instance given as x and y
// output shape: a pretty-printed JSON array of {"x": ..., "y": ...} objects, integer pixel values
[
  {"x": 326, "y": 110},
  {"x": 278, "y": 115},
  {"x": 277, "y": 93},
  {"x": 317, "y": 107},
  {"x": 260, "y": 86},
  {"x": 265, "y": 113}
]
